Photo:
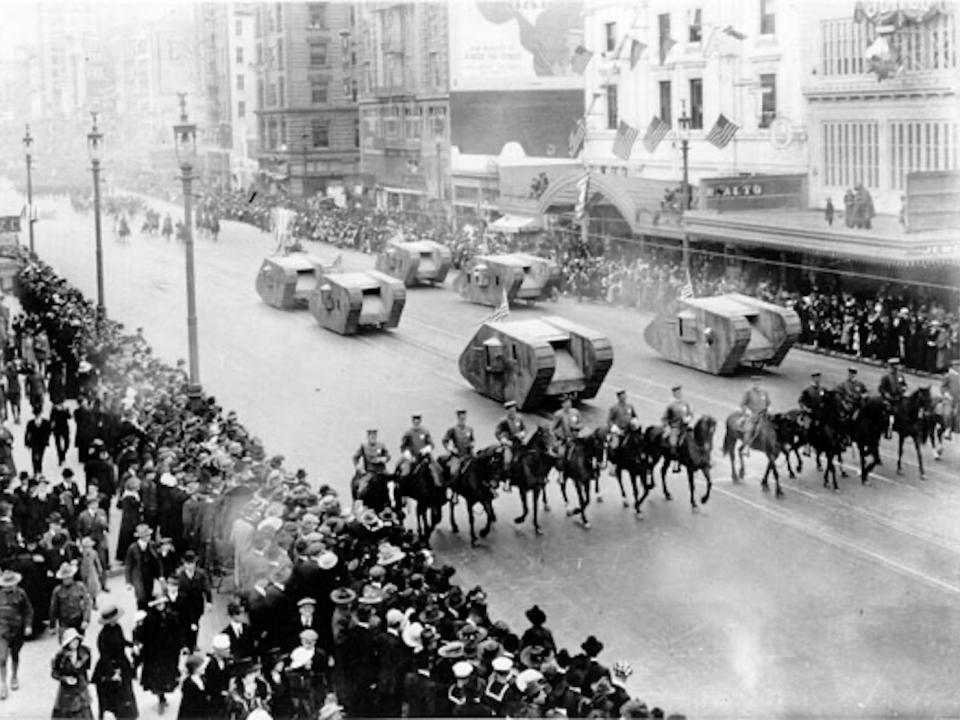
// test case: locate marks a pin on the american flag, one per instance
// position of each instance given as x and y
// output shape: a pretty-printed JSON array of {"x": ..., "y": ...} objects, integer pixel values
[
  {"x": 581, "y": 57},
  {"x": 636, "y": 50},
  {"x": 583, "y": 185},
  {"x": 722, "y": 132},
  {"x": 656, "y": 131},
  {"x": 501, "y": 311},
  {"x": 686, "y": 292},
  {"x": 577, "y": 136},
  {"x": 666, "y": 45},
  {"x": 626, "y": 137},
  {"x": 337, "y": 264}
]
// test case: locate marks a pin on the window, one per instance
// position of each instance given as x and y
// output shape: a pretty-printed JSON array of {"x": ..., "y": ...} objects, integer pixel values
[
  {"x": 354, "y": 90},
  {"x": 433, "y": 62},
  {"x": 439, "y": 121},
  {"x": 345, "y": 47},
  {"x": 279, "y": 16},
  {"x": 920, "y": 145},
  {"x": 851, "y": 153},
  {"x": 279, "y": 54},
  {"x": 240, "y": 56},
  {"x": 346, "y": 87},
  {"x": 768, "y": 99},
  {"x": 240, "y": 80},
  {"x": 610, "y": 36},
  {"x": 613, "y": 112},
  {"x": 695, "y": 25},
  {"x": 320, "y": 130},
  {"x": 238, "y": 28},
  {"x": 412, "y": 117},
  {"x": 768, "y": 17},
  {"x": 391, "y": 121},
  {"x": 271, "y": 95},
  {"x": 356, "y": 132},
  {"x": 318, "y": 54},
  {"x": 261, "y": 94},
  {"x": 666, "y": 102},
  {"x": 318, "y": 92},
  {"x": 844, "y": 43},
  {"x": 666, "y": 42},
  {"x": 317, "y": 13},
  {"x": 281, "y": 99},
  {"x": 696, "y": 103},
  {"x": 241, "y": 109}
]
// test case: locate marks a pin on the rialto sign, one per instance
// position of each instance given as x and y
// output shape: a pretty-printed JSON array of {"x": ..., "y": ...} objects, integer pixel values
[{"x": 734, "y": 190}]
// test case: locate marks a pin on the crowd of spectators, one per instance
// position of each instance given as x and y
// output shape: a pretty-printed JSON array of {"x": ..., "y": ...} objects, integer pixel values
[{"x": 335, "y": 610}]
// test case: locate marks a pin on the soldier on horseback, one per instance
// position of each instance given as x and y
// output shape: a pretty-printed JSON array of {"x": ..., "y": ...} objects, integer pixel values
[
  {"x": 416, "y": 443},
  {"x": 458, "y": 441},
  {"x": 892, "y": 388},
  {"x": 567, "y": 424},
  {"x": 811, "y": 401},
  {"x": 754, "y": 405},
  {"x": 676, "y": 419},
  {"x": 620, "y": 418},
  {"x": 372, "y": 457},
  {"x": 852, "y": 392},
  {"x": 511, "y": 434}
]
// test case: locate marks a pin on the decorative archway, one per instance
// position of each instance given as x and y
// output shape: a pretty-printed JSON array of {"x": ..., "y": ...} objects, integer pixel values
[{"x": 563, "y": 192}]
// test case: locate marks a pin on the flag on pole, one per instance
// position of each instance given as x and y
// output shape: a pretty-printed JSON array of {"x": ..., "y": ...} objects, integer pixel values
[
  {"x": 581, "y": 57},
  {"x": 623, "y": 143},
  {"x": 583, "y": 188},
  {"x": 636, "y": 50},
  {"x": 666, "y": 45},
  {"x": 686, "y": 292},
  {"x": 734, "y": 33},
  {"x": 710, "y": 45},
  {"x": 502, "y": 311},
  {"x": 722, "y": 132},
  {"x": 577, "y": 136},
  {"x": 656, "y": 131},
  {"x": 337, "y": 264},
  {"x": 281, "y": 225}
]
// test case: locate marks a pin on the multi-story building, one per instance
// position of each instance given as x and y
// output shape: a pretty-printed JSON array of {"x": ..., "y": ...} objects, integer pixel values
[
  {"x": 306, "y": 96},
  {"x": 227, "y": 133},
  {"x": 404, "y": 102}
]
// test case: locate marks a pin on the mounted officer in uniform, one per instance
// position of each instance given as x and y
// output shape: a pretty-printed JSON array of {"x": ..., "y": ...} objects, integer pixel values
[
  {"x": 511, "y": 433},
  {"x": 811, "y": 401},
  {"x": 372, "y": 457},
  {"x": 677, "y": 419},
  {"x": 892, "y": 388},
  {"x": 458, "y": 442},
  {"x": 417, "y": 443},
  {"x": 566, "y": 426},
  {"x": 620, "y": 418},
  {"x": 754, "y": 405},
  {"x": 852, "y": 393}
]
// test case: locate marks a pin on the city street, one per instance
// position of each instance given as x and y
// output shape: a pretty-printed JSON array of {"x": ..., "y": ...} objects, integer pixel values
[{"x": 822, "y": 603}]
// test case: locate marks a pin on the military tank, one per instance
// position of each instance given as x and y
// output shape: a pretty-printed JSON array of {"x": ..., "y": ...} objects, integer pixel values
[
  {"x": 286, "y": 281},
  {"x": 523, "y": 276},
  {"x": 534, "y": 361},
  {"x": 719, "y": 334},
  {"x": 419, "y": 262},
  {"x": 348, "y": 303}
]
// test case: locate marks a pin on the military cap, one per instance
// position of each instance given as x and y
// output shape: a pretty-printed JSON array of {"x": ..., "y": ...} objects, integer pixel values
[
  {"x": 815, "y": 374},
  {"x": 510, "y": 404},
  {"x": 372, "y": 432},
  {"x": 675, "y": 387},
  {"x": 852, "y": 370},
  {"x": 621, "y": 393},
  {"x": 416, "y": 417},
  {"x": 461, "y": 412}
]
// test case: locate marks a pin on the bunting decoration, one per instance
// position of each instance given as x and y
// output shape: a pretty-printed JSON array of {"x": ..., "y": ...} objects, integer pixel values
[
  {"x": 623, "y": 143},
  {"x": 656, "y": 131},
  {"x": 722, "y": 132},
  {"x": 580, "y": 60},
  {"x": 636, "y": 50},
  {"x": 686, "y": 291},
  {"x": 577, "y": 136}
]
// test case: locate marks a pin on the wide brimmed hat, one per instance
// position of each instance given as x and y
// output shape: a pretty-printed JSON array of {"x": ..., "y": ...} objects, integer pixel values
[
  {"x": 591, "y": 646},
  {"x": 66, "y": 570},
  {"x": 69, "y": 635},
  {"x": 430, "y": 615},
  {"x": 536, "y": 616},
  {"x": 370, "y": 520},
  {"x": 534, "y": 655},
  {"x": 451, "y": 650},
  {"x": 110, "y": 613},
  {"x": 412, "y": 636},
  {"x": 343, "y": 596},
  {"x": 371, "y": 595},
  {"x": 142, "y": 531},
  {"x": 159, "y": 599},
  {"x": 472, "y": 633},
  {"x": 388, "y": 554},
  {"x": 527, "y": 677},
  {"x": 87, "y": 542},
  {"x": 327, "y": 560},
  {"x": 9, "y": 578}
]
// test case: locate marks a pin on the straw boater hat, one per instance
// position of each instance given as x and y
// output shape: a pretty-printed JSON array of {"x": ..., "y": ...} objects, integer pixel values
[
  {"x": 69, "y": 635},
  {"x": 451, "y": 650},
  {"x": 371, "y": 595},
  {"x": 343, "y": 596},
  {"x": 110, "y": 614},
  {"x": 9, "y": 578},
  {"x": 142, "y": 531},
  {"x": 389, "y": 554},
  {"x": 66, "y": 570},
  {"x": 327, "y": 560}
]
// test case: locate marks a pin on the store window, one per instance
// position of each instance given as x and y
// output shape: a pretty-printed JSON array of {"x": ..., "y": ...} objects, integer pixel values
[
  {"x": 666, "y": 102},
  {"x": 768, "y": 102},
  {"x": 696, "y": 103},
  {"x": 613, "y": 112},
  {"x": 320, "y": 132}
]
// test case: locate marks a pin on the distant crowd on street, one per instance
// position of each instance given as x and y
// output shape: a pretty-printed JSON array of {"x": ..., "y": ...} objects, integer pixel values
[{"x": 333, "y": 610}]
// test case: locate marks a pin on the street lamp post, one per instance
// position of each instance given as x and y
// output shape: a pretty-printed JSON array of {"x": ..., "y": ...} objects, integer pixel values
[
  {"x": 683, "y": 127},
  {"x": 94, "y": 148},
  {"x": 304, "y": 137},
  {"x": 185, "y": 143},
  {"x": 27, "y": 142}
]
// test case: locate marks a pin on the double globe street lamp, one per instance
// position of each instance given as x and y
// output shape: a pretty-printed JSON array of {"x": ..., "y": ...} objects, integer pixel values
[
  {"x": 95, "y": 149},
  {"x": 27, "y": 144},
  {"x": 185, "y": 144}
]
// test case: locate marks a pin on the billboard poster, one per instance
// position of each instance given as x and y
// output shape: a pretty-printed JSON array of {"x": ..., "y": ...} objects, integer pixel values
[{"x": 514, "y": 44}]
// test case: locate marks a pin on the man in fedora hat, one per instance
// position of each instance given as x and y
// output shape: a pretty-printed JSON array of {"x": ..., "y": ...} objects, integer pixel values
[
  {"x": 361, "y": 662},
  {"x": 395, "y": 659},
  {"x": 195, "y": 591},
  {"x": 216, "y": 674},
  {"x": 36, "y": 436},
  {"x": 16, "y": 623},
  {"x": 142, "y": 566},
  {"x": 70, "y": 603}
]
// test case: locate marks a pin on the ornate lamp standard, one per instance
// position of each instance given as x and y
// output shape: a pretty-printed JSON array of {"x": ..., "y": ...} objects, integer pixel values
[
  {"x": 185, "y": 143},
  {"x": 27, "y": 142},
  {"x": 683, "y": 131},
  {"x": 94, "y": 148}
]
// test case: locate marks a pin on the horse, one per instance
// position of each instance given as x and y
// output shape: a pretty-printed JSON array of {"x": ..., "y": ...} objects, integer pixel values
[
  {"x": 529, "y": 472},
  {"x": 429, "y": 497},
  {"x": 938, "y": 421},
  {"x": 693, "y": 453},
  {"x": 793, "y": 435},
  {"x": 656, "y": 448},
  {"x": 910, "y": 420},
  {"x": 580, "y": 465},
  {"x": 630, "y": 456},
  {"x": 865, "y": 429},
  {"x": 765, "y": 439},
  {"x": 376, "y": 491},
  {"x": 826, "y": 435},
  {"x": 475, "y": 483}
]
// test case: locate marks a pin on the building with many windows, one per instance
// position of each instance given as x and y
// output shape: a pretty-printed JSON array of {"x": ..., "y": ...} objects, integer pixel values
[{"x": 306, "y": 96}]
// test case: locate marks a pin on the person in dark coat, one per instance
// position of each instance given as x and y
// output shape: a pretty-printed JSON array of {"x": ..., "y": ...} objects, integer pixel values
[
  {"x": 148, "y": 497},
  {"x": 6, "y": 448},
  {"x": 37, "y": 580},
  {"x": 60, "y": 425},
  {"x": 216, "y": 675},
  {"x": 282, "y": 702},
  {"x": 13, "y": 392},
  {"x": 195, "y": 697},
  {"x": 537, "y": 634},
  {"x": 100, "y": 471},
  {"x": 57, "y": 382},
  {"x": 36, "y": 436},
  {"x": 422, "y": 695},
  {"x": 131, "y": 515},
  {"x": 160, "y": 640},
  {"x": 361, "y": 665},
  {"x": 16, "y": 624},
  {"x": 113, "y": 673},
  {"x": 71, "y": 668},
  {"x": 170, "y": 499},
  {"x": 239, "y": 633},
  {"x": 141, "y": 566},
  {"x": 92, "y": 523},
  {"x": 394, "y": 660},
  {"x": 36, "y": 388},
  {"x": 83, "y": 417},
  {"x": 195, "y": 590}
]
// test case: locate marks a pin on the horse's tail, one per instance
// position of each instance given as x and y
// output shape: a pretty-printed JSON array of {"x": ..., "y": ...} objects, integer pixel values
[{"x": 732, "y": 435}]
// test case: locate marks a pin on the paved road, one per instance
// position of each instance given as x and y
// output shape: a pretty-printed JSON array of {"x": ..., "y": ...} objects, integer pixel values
[{"x": 820, "y": 603}]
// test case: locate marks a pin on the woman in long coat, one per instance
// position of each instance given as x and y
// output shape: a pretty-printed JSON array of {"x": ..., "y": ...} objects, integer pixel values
[
  {"x": 195, "y": 698},
  {"x": 131, "y": 515},
  {"x": 70, "y": 667},
  {"x": 113, "y": 674},
  {"x": 160, "y": 639}
]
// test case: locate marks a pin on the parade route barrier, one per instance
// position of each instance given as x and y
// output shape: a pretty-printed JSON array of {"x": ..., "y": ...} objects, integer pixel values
[
  {"x": 523, "y": 276},
  {"x": 718, "y": 334},
  {"x": 537, "y": 360},
  {"x": 420, "y": 262},
  {"x": 348, "y": 303},
  {"x": 287, "y": 281}
]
